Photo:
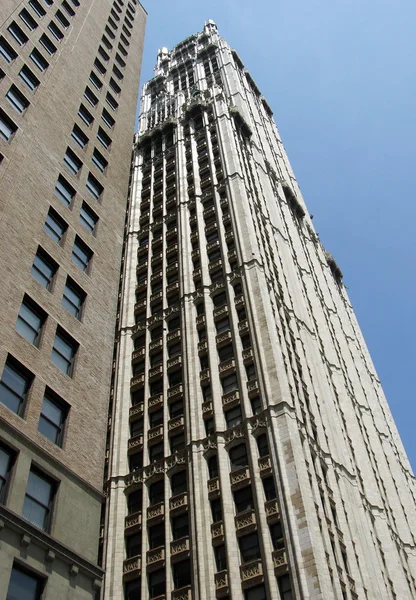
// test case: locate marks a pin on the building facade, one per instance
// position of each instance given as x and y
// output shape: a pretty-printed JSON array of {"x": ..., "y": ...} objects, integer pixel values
[
  {"x": 69, "y": 74},
  {"x": 253, "y": 454}
]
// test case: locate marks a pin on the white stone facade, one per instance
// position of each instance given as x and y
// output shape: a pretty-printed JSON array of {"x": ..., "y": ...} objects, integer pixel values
[{"x": 222, "y": 257}]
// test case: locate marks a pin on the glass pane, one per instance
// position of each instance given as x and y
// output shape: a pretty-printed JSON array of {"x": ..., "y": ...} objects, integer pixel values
[
  {"x": 4, "y": 462},
  {"x": 26, "y": 330},
  {"x": 35, "y": 514},
  {"x": 48, "y": 429},
  {"x": 22, "y": 586},
  {"x": 41, "y": 271},
  {"x": 14, "y": 380},
  {"x": 61, "y": 362},
  {"x": 39, "y": 488},
  {"x": 63, "y": 347},
  {"x": 72, "y": 296},
  {"x": 31, "y": 318},
  {"x": 52, "y": 411}
]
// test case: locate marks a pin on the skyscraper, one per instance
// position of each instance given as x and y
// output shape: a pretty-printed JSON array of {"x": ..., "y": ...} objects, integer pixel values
[
  {"x": 69, "y": 74},
  {"x": 253, "y": 453}
]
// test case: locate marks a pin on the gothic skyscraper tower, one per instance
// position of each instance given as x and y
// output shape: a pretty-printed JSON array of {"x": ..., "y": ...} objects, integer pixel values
[{"x": 253, "y": 454}]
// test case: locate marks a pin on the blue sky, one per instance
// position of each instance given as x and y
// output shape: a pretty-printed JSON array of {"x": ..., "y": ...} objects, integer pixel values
[{"x": 340, "y": 78}]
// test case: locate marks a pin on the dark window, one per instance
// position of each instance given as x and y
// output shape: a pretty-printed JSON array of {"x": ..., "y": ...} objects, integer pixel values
[
  {"x": 220, "y": 558},
  {"x": 136, "y": 461},
  {"x": 38, "y": 8},
  {"x": 156, "y": 452},
  {"x": 216, "y": 510},
  {"x": 107, "y": 118},
  {"x": 238, "y": 456},
  {"x": 47, "y": 44},
  {"x": 99, "y": 161},
  {"x": 112, "y": 102},
  {"x": 96, "y": 81},
  {"x": 24, "y": 585},
  {"x": 213, "y": 466},
  {"x": 132, "y": 590},
  {"x": 88, "y": 218},
  {"x": 176, "y": 409},
  {"x": 226, "y": 352},
  {"x": 14, "y": 386},
  {"x": 180, "y": 526},
  {"x": 30, "y": 321},
  {"x": 103, "y": 138},
  {"x": 85, "y": 115},
  {"x": 269, "y": 488},
  {"x": 64, "y": 352},
  {"x": 52, "y": 417},
  {"x": 285, "y": 587},
  {"x": 38, "y": 499},
  {"x": 157, "y": 536},
  {"x": 182, "y": 574},
  {"x": 63, "y": 190},
  {"x": 18, "y": 33},
  {"x": 73, "y": 298},
  {"x": 156, "y": 418},
  {"x": 41, "y": 63},
  {"x": 28, "y": 78},
  {"x": 256, "y": 405},
  {"x": 243, "y": 500},
  {"x": 94, "y": 186},
  {"x": 222, "y": 325},
  {"x": 135, "y": 502},
  {"x": 263, "y": 445},
  {"x": 17, "y": 100},
  {"x": 68, "y": 8},
  {"x": 134, "y": 545},
  {"x": 62, "y": 19},
  {"x": 55, "y": 226},
  {"x": 229, "y": 383},
  {"x": 79, "y": 136},
  {"x": 114, "y": 86},
  {"x": 233, "y": 416},
  {"x": 157, "y": 492},
  {"x": 179, "y": 483},
  {"x": 6, "y": 463},
  {"x": 257, "y": 593},
  {"x": 276, "y": 533},
  {"x": 177, "y": 442},
  {"x": 56, "y": 32},
  {"x": 7, "y": 127},
  {"x": 81, "y": 254},
  {"x": 157, "y": 583},
  {"x": 28, "y": 20},
  {"x": 249, "y": 547},
  {"x": 103, "y": 53},
  {"x": 90, "y": 97}
]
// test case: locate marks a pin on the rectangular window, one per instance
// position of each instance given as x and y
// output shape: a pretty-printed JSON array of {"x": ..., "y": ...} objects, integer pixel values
[
  {"x": 62, "y": 19},
  {"x": 114, "y": 86},
  {"x": 157, "y": 583},
  {"x": 28, "y": 78},
  {"x": 103, "y": 53},
  {"x": 120, "y": 60},
  {"x": 180, "y": 527},
  {"x": 30, "y": 321},
  {"x": 68, "y": 8},
  {"x": 90, "y": 97},
  {"x": 73, "y": 298},
  {"x": 37, "y": 506},
  {"x": 94, "y": 187},
  {"x": 88, "y": 218},
  {"x": 122, "y": 50},
  {"x": 17, "y": 100},
  {"x": 96, "y": 82},
  {"x": 112, "y": 102},
  {"x": 249, "y": 547},
  {"x": 24, "y": 584},
  {"x": 124, "y": 40},
  {"x": 6, "y": 463},
  {"x": 85, "y": 115},
  {"x": 99, "y": 161},
  {"x": 41, "y": 63},
  {"x": 81, "y": 254},
  {"x": 47, "y": 44},
  {"x": 109, "y": 33},
  {"x": 7, "y": 127},
  {"x": 55, "y": 226},
  {"x": 112, "y": 23},
  {"x": 15, "y": 385},
  {"x": 100, "y": 67},
  {"x": 103, "y": 138},
  {"x": 233, "y": 416},
  {"x": 52, "y": 417},
  {"x": 108, "y": 119},
  {"x": 44, "y": 269},
  {"x": 126, "y": 31},
  {"x": 64, "y": 352},
  {"x": 118, "y": 73},
  {"x": 7, "y": 51},
  {"x": 28, "y": 20},
  {"x": 38, "y": 8},
  {"x": 79, "y": 136},
  {"x": 63, "y": 190},
  {"x": 18, "y": 33},
  {"x": 72, "y": 163},
  {"x": 55, "y": 31}
]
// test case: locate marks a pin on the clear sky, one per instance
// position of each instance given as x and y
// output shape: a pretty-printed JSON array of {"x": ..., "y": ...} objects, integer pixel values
[{"x": 340, "y": 78}]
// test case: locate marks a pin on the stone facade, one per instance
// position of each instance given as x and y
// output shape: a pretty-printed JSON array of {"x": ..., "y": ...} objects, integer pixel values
[
  {"x": 240, "y": 366},
  {"x": 96, "y": 45}
]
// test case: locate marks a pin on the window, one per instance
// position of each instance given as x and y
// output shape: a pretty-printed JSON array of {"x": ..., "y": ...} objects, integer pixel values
[
  {"x": 103, "y": 54},
  {"x": 63, "y": 190},
  {"x": 38, "y": 8},
  {"x": 15, "y": 385},
  {"x": 18, "y": 33},
  {"x": 17, "y": 99},
  {"x": 24, "y": 585},
  {"x": 157, "y": 492},
  {"x": 99, "y": 160},
  {"x": 30, "y": 321},
  {"x": 64, "y": 352},
  {"x": 110, "y": 34},
  {"x": 38, "y": 499},
  {"x": 257, "y": 593},
  {"x": 52, "y": 417},
  {"x": 90, "y": 97},
  {"x": 112, "y": 102},
  {"x": 256, "y": 405},
  {"x": 79, "y": 136},
  {"x": 238, "y": 457},
  {"x": 132, "y": 589},
  {"x": 55, "y": 31},
  {"x": 182, "y": 574},
  {"x": 38, "y": 59},
  {"x": 276, "y": 533},
  {"x": 156, "y": 452},
  {"x": 107, "y": 118},
  {"x": 94, "y": 186},
  {"x": 100, "y": 67},
  {"x": 88, "y": 218},
  {"x": 96, "y": 82},
  {"x": 55, "y": 226},
  {"x": 285, "y": 587},
  {"x": 81, "y": 254},
  {"x": 112, "y": 23},
  {"x": 156, "y": 418},
  {"x": 7, "y": 51},
  {"x": 103, "y": 138},
  {"x": 179, "y": 483},
  {"x": 243, "y": 500},
  {"x": 62, "y": 19},
  {"x": 269, "y": 488},
  {"x": 73, "y": 165},
  {"x": 229, "y": 383},
  {"x": 44, "y": 269},
  {"x": 127, "y": 32},
  {"x": 73, "y": 298},
  {"x": 6, "y": 463},
  {"x": 222, "y": 325},
  {"x": 47, "y": 44},
  {"x": 124, "y": 40},
  {"x": 28, "y": 20},
  {"x": 157, "y": 536},
  {"x": 135, "y": 502},
  {"x": 213, "y": 466},
  {"x": 176, "y": 409},
  {"x": 249, "y": 547},
  {"x": 28, "y": 78},
  {"x": 120, "y": 61},
  {"x": 180, "y": 526},
  {"x": 122, "y": 50},
  {"x": 263, "y": 445},
  {"x": 68, "y": 9},
  {"x": 85, "y": 115},
  {"x": 134, "y": 545},
  {"x": 157, "y": 583},
  {"x": 114, "y": 86},
  {"x": 216, "y": 510}
]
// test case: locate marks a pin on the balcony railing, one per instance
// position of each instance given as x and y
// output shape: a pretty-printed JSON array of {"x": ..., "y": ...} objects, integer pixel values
[
  {"x": 217, "y": 532},
  {"x": 155, "y": 345},
  {"x": 155, "y": 434},
  {"x": 252, "y": 388},
  {"x": 243, "y": 327},
  {"x": 156, "y": 372},
  {"x": 175, "y": 392},
  {"x": 202, "y": 347},
  {"x": 265, "y": 466},
  {"x": 239, "y": 300},
  {"x": 133, "y": 522},
  {"x": 221, "y": 583},
  {"x": 174, "y": 362},
  {"x": 280, "y": 560},
  {"x": 221, "y": 311},
  {"x": 231, "y": 398},
  {"x": 247, "y": 356},
  {"x": 172, "y": 288},
  {"x": 272, "y": 509},
  {"x": 178, "y": 503},
  {"x": 204, "y": 376},
  {"x": 240, "y": 477},
  {"x": 251, "y": 573},
  {"x": 223, "y": 338},
  {"x": 135, "y": 443},
  {"x": 132, "y": 567},
  {"x": 156, "y": 511},
  {"x": 245, "y": 522},
  {"x": 174, "y": 335},
  {"x": 213, "y": 486},
  {"x": 139, "y": 353},
  {"x": 174, "y": 425},
  {"x": 155, "y": 558},
  {"x": 179, "y": 548},
  {"x": 137, "y": 382},
  {"x": 155, "y": 401},
  {"x": 207, "y": 411},
  {"x": 200, "y": 320},
  {"x": 226, "y": 367},
  {"x": 136, "y": 411},
  {"x": 184, "y": 593}
]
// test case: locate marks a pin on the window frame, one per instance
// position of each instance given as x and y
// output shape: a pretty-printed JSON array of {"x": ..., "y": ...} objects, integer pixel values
[
  {"x": 40, "y": 580},
  {"x": 63, "y": 407},
  {"x": 72, "y": 344},
  {"x": 58, "y": 220},
  {"x": 49, "y": 262},
  {"x": 47, "y": 507},
  {"x": 24, "y": 374},
  {"x": 36, "y": 311},
  {"x": 86, "y": 209},
  {"x": 28, "y": 78},
  {"x": 76, "y": 291},
  {"x": 5, "y": 477},
  {"x": 79, "y": 244}
]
